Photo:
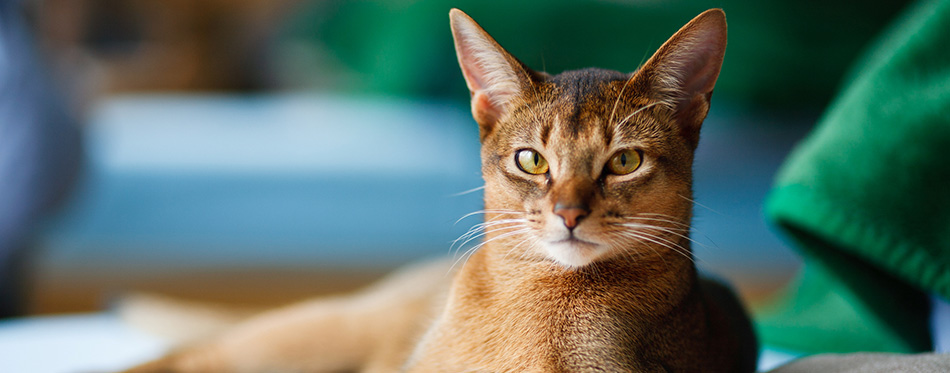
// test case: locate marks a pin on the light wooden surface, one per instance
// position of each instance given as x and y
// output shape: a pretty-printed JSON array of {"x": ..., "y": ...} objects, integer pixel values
[{"x": 57, "y": 293}]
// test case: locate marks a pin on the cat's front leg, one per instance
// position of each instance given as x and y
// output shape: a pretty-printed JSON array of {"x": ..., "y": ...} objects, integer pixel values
[
  {"x": 195, "y": 359},
  {"x": 372, "y": 330},
  {"x": 317, "y": 336}
]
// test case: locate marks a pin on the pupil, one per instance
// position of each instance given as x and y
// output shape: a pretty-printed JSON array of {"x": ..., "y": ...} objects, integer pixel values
[
  {"x": 536, "y": 159},
  {"x": 623, "y": 160}
]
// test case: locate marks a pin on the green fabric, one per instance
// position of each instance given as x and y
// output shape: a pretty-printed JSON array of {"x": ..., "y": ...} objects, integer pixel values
[
  {"x": 866, "y": 199},
  {"x": 781, "y": 54}
]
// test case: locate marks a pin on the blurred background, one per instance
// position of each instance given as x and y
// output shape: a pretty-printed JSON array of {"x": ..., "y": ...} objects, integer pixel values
[{"x": 260, "y": 151}]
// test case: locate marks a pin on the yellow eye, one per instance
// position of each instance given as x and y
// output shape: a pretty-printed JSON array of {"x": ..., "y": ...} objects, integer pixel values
[
  {"x": 531, "y": 162},
  {"x": 624, "y": 162}
]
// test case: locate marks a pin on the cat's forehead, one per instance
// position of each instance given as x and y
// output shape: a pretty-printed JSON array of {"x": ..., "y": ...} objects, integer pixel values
[
  {"x": 586, "y": 97},
  {"x": 588, "y": 104},
  {"x": 584, "y": 84}
]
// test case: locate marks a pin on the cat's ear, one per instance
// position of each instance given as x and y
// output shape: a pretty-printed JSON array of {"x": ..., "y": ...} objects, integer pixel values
[
  {"x": 494, "y": 77},
  {"x": 682, "y": 73}
]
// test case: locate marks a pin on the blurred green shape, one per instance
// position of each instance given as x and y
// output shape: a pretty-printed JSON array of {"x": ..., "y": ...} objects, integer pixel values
[
  {"x": 781, "y": 54},
  {"x": 866, "y": 198}
]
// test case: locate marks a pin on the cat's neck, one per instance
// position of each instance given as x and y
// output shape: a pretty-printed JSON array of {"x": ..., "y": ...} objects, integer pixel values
[{"x": 615, "y": 283}]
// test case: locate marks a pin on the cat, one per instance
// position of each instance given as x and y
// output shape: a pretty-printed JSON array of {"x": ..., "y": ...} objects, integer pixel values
[{"x": 585, "y": 265}]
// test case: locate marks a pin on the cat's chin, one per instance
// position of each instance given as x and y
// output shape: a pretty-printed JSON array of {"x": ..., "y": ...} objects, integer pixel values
[{"x": 574, "y": 253}]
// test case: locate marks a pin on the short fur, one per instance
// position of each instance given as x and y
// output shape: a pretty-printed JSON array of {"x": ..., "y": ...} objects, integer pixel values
[{"x": 581, "y": 269}]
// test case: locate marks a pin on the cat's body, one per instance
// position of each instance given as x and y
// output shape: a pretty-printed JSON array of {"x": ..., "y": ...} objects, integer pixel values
[
  {"x": 586, "y": 263},
  {"x": 550, "y": 320}
]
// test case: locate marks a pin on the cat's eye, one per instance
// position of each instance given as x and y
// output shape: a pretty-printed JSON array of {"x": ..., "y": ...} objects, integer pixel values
[
  {"x": 624, "y": 162},
  {"x": 531, "y": 162}
]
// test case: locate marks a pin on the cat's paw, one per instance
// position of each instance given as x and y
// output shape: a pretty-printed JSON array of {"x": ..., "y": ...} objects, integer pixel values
[
  {"x": 184, "y": 361},
  {"x": 155, "y": 366}
]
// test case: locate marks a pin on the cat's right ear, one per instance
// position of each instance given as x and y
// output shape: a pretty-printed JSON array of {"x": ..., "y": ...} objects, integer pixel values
[{"x": 494, "y": 77}]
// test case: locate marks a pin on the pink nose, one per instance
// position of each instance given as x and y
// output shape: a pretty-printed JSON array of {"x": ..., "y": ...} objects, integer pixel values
[{"x": 572, "y": 215}]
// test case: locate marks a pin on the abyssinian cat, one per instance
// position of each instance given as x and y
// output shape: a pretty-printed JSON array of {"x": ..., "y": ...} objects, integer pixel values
[{"x": 585, "y": 264}]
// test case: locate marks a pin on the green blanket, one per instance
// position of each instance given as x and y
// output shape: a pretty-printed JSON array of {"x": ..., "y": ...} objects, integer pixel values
[{"x": 866, "y": 199}]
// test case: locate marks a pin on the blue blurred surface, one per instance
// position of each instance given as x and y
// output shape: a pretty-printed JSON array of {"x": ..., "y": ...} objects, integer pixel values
[
  {"x": 309, "y": 180},
  {"x": 199, "y": 181}
]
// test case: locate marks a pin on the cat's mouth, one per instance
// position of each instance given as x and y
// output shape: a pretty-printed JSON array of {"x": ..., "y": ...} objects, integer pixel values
[
  {"x": 573, "y": 240},
  {"x": 574, "y": 252}
]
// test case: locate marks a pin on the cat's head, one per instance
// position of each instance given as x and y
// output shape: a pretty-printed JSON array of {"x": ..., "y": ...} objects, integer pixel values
[{"x": 590, "y": 164}]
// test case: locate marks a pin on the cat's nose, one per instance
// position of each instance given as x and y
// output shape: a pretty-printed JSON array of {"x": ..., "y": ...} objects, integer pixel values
[{"x": 572, "y": 215}]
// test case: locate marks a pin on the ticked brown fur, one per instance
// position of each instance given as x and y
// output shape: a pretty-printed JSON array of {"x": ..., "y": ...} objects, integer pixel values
[{"x": 583, "y": 268}]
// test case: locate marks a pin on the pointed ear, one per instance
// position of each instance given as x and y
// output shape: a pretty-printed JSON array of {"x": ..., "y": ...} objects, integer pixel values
[
  {"x": 493, "y": 76},
  {"x": 683, "y": 72}
]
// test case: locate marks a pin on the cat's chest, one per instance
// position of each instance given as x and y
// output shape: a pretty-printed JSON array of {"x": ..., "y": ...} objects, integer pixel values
[
  {"x": 537, "y": 319},
  {"x": 544, "y": 332},
  {"x": 584, "y": 332}
]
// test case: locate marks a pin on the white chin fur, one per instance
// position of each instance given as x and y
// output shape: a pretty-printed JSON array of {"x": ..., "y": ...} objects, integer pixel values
[{"x": 573, "y": 254}]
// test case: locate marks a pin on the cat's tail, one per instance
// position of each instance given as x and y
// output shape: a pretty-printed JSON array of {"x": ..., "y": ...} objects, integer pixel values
[{"x": 178, "y": 321}]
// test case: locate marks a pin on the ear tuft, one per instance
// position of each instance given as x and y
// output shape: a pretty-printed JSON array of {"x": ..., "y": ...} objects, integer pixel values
[{"x": 493, "y": 76}]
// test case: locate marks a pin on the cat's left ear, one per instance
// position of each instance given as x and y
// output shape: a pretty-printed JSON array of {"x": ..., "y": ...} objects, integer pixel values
[
  {"x": 682, "y": 73},
  {"x": 494, "y": 77}
]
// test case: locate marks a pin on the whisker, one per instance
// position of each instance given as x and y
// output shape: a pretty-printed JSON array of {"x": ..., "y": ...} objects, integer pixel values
[
  {"x": 653, "y": 238},
  {"x": 478, "y": 231},
  {"x": 681, "y": 249},
  {"x": 662, "y": 229},
  {"x": 700, "y": 204},
  {"x": 494, "y": 222},
  {"x": 503, "y": 235},
  {"x": 471, "y": 230},
  {"x": 516, "y": 247},
  {"x": 690, "y": 228},
  {"x": 683, "y": 225},
  {"x": 616, "y": 102},
  {"x": 484, "y": 229},
  {"x": 471, "y": 251},
  {"x": 640, "y": 241},
  {"x": 647, "y": 106},
  {"x": 499, "y": 212},
  {"x": 662, "y": 242},
  {"x": 473, "y": 190}
]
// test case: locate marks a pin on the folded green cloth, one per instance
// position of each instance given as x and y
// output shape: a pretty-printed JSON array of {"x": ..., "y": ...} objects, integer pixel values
[{"x": 866, "y": 200}]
